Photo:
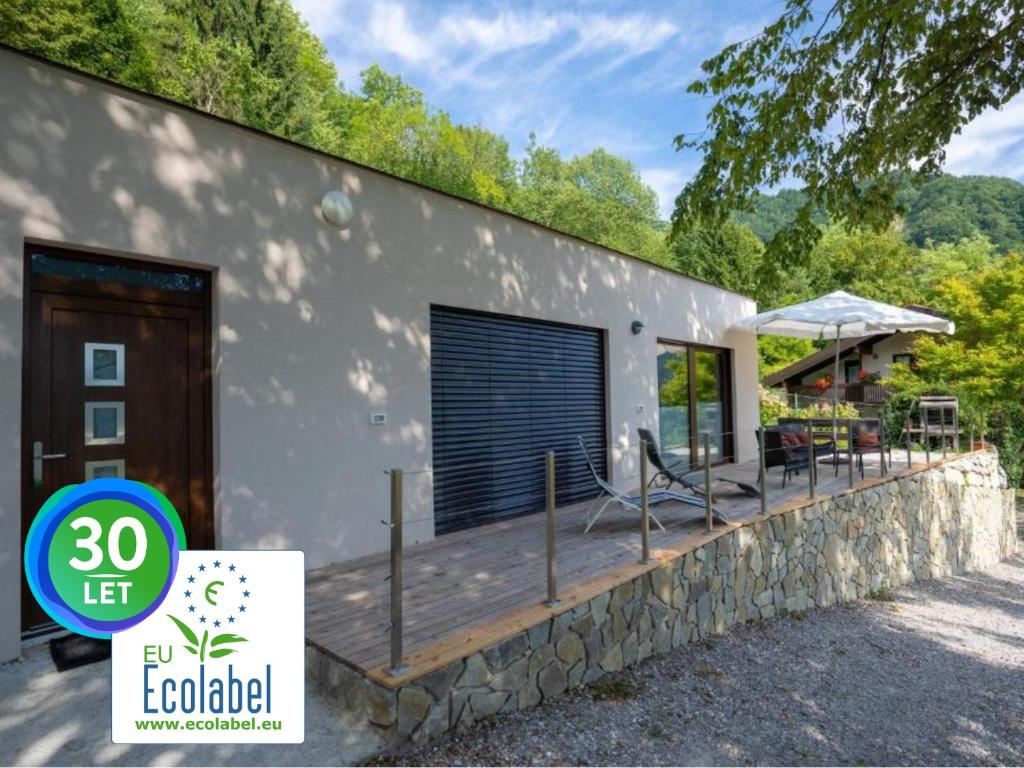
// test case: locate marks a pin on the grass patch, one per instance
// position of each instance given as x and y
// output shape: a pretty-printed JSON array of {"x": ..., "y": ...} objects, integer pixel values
[
  {"x": 614, "y": 689},
  {"x": 655, "y": 731},
  {"x": 710, "y": 672},
  {"x": 882, "y": 595}
]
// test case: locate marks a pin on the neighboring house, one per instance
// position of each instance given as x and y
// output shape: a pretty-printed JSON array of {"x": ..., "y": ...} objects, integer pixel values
[
  {"x": 174, "y": 308},
  {"x": 863, "y": 361}
]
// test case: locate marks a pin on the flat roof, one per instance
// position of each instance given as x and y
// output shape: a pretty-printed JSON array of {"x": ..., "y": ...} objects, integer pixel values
[{"x": 338, "y": 158}]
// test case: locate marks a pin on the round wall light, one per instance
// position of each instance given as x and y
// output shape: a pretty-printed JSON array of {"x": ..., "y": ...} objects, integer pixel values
[
  {"x": 636, "y": 327},
  {"x": 336, "y": 208}
]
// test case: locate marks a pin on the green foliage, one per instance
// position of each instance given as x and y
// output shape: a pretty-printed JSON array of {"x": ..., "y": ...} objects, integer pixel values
[
  {"x": 948, "y": 209},
  {"x": 776, "y": 352},
  {"x": 768, "y": 214},
  {"x": 941, "y": 210},
  {"x": 983, "y": 364},
  {"x": 876, "y": 265},
  {"x": 256, "y": 62},
  {"x": 729, "y": 255},
  {"x": 774, "y": 406},
  {"x": 849, "y": 98},
  {"x": 597, "y": 196}
]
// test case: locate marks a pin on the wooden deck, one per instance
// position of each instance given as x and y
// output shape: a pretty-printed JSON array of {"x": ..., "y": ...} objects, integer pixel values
[{"x": 462, "y": 582}]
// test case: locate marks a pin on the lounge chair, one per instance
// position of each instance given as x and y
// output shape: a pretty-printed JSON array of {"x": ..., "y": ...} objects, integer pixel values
[
  {"x": 631, "y": 501},
  {"x": 674, "y": 472}
]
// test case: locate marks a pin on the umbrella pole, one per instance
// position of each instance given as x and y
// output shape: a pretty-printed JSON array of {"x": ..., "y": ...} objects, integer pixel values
[{"x": 835, "y": 392}]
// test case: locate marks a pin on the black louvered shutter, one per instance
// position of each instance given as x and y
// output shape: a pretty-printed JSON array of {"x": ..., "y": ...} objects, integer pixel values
[{"x": 505, "y": 391}]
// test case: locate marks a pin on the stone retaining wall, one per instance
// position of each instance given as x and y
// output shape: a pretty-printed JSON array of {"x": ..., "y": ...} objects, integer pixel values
[{"x": 946, "y": 520}]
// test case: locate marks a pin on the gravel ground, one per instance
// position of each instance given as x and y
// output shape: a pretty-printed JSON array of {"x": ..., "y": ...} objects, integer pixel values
[{"x": 933, "y": 676}]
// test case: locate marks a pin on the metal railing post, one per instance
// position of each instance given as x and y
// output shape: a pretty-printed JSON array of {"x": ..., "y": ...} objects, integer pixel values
[
  {"x": 764, "y": 471},
  {"x": 927, "y": 442},
  {"x": 810, "y": 449},
  {"x": 396, "y": 572},
  {"x": 645, "y": 520},
  {"x": 709, "y": 519},
  {"x": 956, "y": 429},
  {"x": 881, "y": 445},
  {"x": 907, "y": 432},
  {"x": 849, "y": 451},
  {"x": 942, "y": 421},
  {"x": 552, "y": 584},
  {"x": 972, "y": 431}
]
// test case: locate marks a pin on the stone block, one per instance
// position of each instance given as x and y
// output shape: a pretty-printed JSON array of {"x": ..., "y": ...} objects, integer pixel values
[
  {"x": 570, "y": 648},
  {"x": 553, "y": 679},
  {"x": 439, "y": 682},
  {"x": 413, "y": 705},
  {"x": 612, "y": 661},
  {"x": 488, "y": 703},
  {"x": 476, "y": 673}
]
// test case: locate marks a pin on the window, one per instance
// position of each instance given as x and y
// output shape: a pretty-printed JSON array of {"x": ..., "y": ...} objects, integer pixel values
[
  {"x": 851, "y": 369},
  {"x": 674, "y": 400},
  {"x": 906, "y": 358},
  {"x": 104, "y": 365},
  {"x": 94, "y": 470},
  {"x": 104, "y": 423},
  {"x": 693, "y": 400},
  {"x": 126, "y": 274}
]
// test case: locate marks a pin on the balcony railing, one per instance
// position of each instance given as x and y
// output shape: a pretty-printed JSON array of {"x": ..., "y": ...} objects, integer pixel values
[{"x": 848, "y": 393}]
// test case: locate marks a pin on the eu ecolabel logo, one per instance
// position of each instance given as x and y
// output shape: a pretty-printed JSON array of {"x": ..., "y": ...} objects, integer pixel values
[{"x": 207, "y": 646}]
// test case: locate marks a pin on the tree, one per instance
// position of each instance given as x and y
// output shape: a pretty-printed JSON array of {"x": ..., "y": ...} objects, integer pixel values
[
  {"x": 984, "y": 359},
  {"x": 597, "y": 196},
  {"x": 850, "y": 100},
  {"x": 254, "y": 61},
  {"x": 729, "y": 255},
  {"x": 948, "y": 209},
  {"x": 935, "y": 265},
  {"x": 983, "y": 364},
  {"x": 98, "y": 36},
  {"x": 876, "y": 265}
]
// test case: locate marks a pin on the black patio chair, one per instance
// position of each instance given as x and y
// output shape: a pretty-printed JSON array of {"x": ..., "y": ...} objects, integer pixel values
[
  {"x": 788, "y": 453},
  {"x": 867, "y": 439},
  {"x": 674, "y": 471}
]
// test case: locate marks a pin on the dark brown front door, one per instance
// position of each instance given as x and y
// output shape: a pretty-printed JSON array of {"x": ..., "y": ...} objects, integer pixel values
[{"x": 117, "y": 385}]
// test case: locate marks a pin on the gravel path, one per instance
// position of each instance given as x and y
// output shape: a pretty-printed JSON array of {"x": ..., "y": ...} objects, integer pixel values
[{"x": 934, "y": 677}]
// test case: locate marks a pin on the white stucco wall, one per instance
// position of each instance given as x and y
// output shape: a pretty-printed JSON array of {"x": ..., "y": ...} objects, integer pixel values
[
  {"x": 879, "y": 360},
  {"x": 315, "y": 327}
]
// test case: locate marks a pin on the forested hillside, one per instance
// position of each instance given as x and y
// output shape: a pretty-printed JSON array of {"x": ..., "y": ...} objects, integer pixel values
[{"x": 945, "y": 209}]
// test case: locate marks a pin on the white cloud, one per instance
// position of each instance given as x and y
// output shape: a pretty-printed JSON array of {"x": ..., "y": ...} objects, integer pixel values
[
  {"x": 992, "y": 144},
  {"x": 667, "y": 183},
  {"x": 389, "y": 27},
  {"x": 505, "y": 32},
  {"x": 324, "y": 17}
]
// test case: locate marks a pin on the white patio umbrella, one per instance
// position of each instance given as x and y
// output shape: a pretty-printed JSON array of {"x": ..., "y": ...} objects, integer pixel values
[{"x": 841, "y": 315}]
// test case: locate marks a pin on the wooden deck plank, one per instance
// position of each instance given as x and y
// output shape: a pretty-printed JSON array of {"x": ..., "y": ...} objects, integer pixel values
[{"x": 458, "y": 585}]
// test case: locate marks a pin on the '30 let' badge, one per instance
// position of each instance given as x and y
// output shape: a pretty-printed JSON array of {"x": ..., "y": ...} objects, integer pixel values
[{"x": 101, "y": 556}]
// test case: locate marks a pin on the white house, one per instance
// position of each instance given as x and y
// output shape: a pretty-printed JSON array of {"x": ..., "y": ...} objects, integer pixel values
[{"x": 175, "y": 308}]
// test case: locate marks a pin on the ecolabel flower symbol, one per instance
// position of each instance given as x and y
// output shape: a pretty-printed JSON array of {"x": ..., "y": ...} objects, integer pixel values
[{"x": 217, "y": 595}]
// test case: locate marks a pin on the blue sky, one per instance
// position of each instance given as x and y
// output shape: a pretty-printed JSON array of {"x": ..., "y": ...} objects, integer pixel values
[{"x": 597, "y": 73}]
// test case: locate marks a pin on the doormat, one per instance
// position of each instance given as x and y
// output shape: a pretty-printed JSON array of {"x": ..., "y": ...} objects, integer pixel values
[{"x": 77, "y": 651}]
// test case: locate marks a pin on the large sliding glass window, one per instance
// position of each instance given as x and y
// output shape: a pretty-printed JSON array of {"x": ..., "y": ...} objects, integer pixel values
[
  {"x": 693, "y": 387},
  {"x": 674, "y": 400}
]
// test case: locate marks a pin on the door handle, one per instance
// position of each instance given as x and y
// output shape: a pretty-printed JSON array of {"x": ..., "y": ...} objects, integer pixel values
[{"x": 38, "y": 457}]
